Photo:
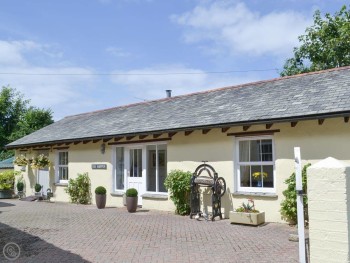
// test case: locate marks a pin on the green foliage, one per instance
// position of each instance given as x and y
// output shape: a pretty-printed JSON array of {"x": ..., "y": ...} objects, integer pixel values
[
  {"x": 289, "y": 204},
  {"x": 325, "y": 45},
  {"x": 179, "y": 185},
  {"x": 40, "y": 161},
  {"x": 100, "y": 190},
  {"x": 20, "y": 186},
  {"x": 37, "y": 188},
  {"x": 131, "y": 192},
  {"x": 249, "y": 207},
  {"x": 79, "y": 189},
  {"x": 18, "y": 119},
  {"x": 7, "y": 180}
]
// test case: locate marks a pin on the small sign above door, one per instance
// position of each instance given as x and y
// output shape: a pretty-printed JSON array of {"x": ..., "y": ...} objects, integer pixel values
[{"x": 99, "y": 166}]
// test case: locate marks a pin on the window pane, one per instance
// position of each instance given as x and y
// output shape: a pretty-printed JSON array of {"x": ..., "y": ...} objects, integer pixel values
[
  {"x": 268, "y": 176},
  {"x": 136, "y": 163},
  {"x": 63, "y": 158},
  {"x": 119, "y": 173},
  {"x": 256, "y": 176},
  {"x": 266, "y": 150},
  {"x": 161, "y": 170},
  {"x": 245, "y": 175},
  {"x": 151, "y": 168},
  {"x": 255, "y": 151},
  {"x": 63, "y": 173},
  {"x": 139, "y": 163},
  {"x": 244, "y": 151}
]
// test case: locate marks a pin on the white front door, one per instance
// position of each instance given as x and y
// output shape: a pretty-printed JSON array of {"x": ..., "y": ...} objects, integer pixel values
[
  {"x": 136, "y": 170},
  {"x": 44, "y": 179}
]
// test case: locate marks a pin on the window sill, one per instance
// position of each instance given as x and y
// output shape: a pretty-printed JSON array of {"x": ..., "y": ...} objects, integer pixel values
[
  {"x": 118, "y": 193},
  {"x": 60, "y": 184},
  {"x": 259, "y": 194},
  {"x": 155, "y": 196}
]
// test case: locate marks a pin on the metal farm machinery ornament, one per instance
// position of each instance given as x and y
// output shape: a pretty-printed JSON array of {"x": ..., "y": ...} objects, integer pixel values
[{"x": 206, "y": 176}]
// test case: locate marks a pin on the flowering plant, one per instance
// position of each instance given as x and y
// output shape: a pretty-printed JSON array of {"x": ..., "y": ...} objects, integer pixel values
[
  {"x": 41, "y": 161},
  {"x": 257, "y": 175},
  {"x": 21, "y": 160},
  {"x": 247, "y": 208}
]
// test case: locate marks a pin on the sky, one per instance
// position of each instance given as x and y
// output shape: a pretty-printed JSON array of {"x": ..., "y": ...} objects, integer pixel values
[{"x": 76, "y": 56}]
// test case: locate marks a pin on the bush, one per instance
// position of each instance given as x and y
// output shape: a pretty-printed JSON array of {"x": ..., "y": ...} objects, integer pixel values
[
  {"x": 79, "y": 189},
  {"x": 7, "y": 180},
  {"x": 20, "y": 186},
  {"x": 37, "y": 188},
  {"x": 131, "y": 192},
  {"x": 100, "y": 190},
  {"x": 289, "y": 204},
  {"x": 179, "y": 185}
]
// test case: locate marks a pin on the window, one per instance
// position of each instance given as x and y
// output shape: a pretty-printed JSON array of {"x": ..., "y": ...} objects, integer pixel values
[
  {"x": 119, "y": 172},
  {"x": 255, "y": 166},
  {"x": 62, "y": 167},
  {"x": 156, "y": 168}
]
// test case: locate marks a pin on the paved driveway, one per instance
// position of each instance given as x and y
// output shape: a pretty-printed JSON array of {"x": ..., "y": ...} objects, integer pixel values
[{"x": 58, "y": 232}]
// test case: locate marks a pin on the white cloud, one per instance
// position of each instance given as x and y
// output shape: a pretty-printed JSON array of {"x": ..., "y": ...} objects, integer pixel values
[
  {"x": 64, "y": 93},
  {"x": 151, "y": 83},
  {"x": 117, "y": 52},
  {"x": 232, "y": 26}
]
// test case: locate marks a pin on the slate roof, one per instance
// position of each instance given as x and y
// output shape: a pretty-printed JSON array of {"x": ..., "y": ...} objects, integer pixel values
[
  {"x": 7, "y": 164},
  {"x": 306, "y": 96}
]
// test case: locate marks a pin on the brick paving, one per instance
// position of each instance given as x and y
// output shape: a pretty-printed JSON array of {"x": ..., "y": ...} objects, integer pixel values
[{"x": 60, "y": 232}]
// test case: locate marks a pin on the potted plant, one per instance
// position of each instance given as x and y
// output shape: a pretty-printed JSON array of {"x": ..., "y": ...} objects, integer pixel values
[
  {"x": 247, "y": 214},
  {"x": 7, "y": 181},
  {"x": 100, "y": 197},
  {"x": 131, "y": 200},
  {"x": 21, "y": 161},
  {"x": 20, "y": 184},
  {"x": 41, "y": 161},
  {"x": 37, "y": 189}
]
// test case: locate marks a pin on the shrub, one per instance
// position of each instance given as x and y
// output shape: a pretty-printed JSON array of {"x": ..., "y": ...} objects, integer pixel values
[
  {"x": 37, "y": 188},
  {"x": 7, "y": 180},
  {"x": 179, "y": 185},
  {"x": 20, "y": 186},
  {"x": 100, "y": 190},
  {"x": 289, "y": 204},
  {"x": 79, "y": 189},
  {"x": 131, "y": 192}
]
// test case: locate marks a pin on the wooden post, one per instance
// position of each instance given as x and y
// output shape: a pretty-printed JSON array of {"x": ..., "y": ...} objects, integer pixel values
[{"x": 300, "y": 204}]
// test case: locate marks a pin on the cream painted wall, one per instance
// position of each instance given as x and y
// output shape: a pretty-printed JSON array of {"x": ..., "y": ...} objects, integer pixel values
[
  {"x": 187, "y": 152},
  {"x": 316, "y": 141}
]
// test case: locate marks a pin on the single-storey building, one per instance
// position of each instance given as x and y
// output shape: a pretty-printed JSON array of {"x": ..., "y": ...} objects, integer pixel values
[
  {"x": 7, "y": 164},
  {"x": 246, "y": 132}
]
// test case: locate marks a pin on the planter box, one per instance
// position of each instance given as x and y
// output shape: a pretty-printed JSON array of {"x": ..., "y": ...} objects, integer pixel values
[
  {"x": 247, "y": 218},
  {"x": 6, "y": 194}
]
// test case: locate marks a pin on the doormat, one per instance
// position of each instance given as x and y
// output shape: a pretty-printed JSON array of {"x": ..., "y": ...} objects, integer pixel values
[{"x": 32, "y": 198}]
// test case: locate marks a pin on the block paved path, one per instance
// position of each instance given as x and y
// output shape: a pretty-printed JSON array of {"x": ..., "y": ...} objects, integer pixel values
[{"x": 60, "y": 232}]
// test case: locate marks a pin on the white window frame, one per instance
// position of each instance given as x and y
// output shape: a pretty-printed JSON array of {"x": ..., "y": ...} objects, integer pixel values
[
  {"x": 127, "y": 148},
  {"x": 59, "y": 165},
  {"x": 237, "y": 180}
]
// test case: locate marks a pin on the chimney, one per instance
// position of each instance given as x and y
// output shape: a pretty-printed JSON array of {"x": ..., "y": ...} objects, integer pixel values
[{"x": 168, "y": 93}]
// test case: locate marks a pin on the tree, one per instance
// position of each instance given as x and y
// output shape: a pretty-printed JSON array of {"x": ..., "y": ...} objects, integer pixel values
[
  {"x": 18, "y": 118},
  {"x": 325, "y": 45}
]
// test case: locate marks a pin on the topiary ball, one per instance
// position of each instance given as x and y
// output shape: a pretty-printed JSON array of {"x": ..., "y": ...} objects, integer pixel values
[
  {"x": 37, "y": 188},
  {"x": 100, "y": 190},
  {"x": 131, "y": 192}
]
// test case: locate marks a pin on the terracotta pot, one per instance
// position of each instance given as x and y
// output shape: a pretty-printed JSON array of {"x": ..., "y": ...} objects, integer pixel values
[
  {"x": 100, "y": 201},
  {"x": 131, "y": 204}
]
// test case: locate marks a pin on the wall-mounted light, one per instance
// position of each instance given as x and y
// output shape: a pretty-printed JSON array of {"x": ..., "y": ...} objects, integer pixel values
[{"x": 103, "y": 148}]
